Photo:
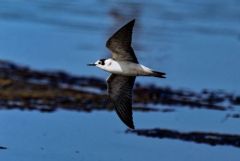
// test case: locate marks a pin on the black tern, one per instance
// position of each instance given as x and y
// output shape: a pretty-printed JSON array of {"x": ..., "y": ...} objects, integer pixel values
[{"x": 124, "y": 67}]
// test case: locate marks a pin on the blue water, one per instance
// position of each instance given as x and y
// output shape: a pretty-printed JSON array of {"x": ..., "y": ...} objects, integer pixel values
[
  {"x": 196, "y": 43},
  {"x": 100, "y": 136}
]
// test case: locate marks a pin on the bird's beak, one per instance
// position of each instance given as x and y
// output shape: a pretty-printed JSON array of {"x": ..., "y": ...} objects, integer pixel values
[{"x": 91, "y": 64}]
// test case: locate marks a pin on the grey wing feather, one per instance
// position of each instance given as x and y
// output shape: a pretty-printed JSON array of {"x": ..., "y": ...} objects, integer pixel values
[
  {"x": 120, "y": 44},
  {"x": 120, "y": 93}
]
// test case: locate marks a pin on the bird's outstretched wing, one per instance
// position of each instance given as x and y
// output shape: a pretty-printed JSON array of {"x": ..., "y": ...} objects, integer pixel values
[
  {"x": 120, "y": 44},
  {"x": 120, "y": 93}
]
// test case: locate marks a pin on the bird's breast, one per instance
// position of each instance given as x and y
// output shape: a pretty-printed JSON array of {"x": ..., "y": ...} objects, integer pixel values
[{"x": 127, "y": 68}]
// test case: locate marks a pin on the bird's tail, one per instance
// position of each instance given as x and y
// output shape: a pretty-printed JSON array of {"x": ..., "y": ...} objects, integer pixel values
[{"x": 158, "y": 74}]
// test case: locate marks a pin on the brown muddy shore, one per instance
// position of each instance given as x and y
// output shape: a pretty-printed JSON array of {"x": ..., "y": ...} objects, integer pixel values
[
  {"x": 27, "y": 89},
  {"x": 208, "y": 138}
]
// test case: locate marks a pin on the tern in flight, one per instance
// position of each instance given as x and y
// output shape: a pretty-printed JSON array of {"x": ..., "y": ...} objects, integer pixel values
[{"x": 124, "y": 68}]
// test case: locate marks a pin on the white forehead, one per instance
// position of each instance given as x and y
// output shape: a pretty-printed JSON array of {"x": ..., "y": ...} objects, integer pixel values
[{"x": 108, "y": 60}]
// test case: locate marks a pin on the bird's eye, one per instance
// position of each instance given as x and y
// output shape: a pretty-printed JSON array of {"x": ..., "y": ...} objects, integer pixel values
[{"x": 99, "y": 62}]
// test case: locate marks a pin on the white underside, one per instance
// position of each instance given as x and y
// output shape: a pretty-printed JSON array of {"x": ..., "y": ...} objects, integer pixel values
[{"x": 127, "y": 68}]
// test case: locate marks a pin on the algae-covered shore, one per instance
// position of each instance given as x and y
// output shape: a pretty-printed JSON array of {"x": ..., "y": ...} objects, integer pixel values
[
  {"x": 25, "y": 88},
  {"x": 54, "y": 107}
]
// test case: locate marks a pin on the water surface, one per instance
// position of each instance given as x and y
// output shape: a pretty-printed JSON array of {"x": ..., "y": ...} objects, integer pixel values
[{"x": 196, "y": 43}]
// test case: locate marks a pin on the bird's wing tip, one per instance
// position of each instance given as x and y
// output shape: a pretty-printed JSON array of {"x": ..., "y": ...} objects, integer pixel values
[
  {"x": 132, "y": 21},
  {"x": 131, "y": 127}
]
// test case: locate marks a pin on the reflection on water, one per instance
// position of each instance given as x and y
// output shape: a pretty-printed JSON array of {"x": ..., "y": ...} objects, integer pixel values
[
  {"x": 25, "y": 88},
  {"x": 213, "y": 139},
  {"x": 196, "y": 43},
  {"x": 207, "y": 17},
  {"x": 3, "y": 147},
  {"x": 174, "y": 36}
]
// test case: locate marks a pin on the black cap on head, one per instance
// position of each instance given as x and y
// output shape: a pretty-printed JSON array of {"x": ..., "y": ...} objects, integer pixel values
[{"x": 102, "y": 61}]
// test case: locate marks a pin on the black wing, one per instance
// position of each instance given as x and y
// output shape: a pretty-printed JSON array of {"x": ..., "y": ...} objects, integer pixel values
[
  {"x": 120, "y": 44},
  {"x": 120, "y": 93}
]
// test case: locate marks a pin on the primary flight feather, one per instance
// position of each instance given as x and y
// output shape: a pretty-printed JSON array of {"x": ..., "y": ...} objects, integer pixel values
[{"x": 124, "y": 67}]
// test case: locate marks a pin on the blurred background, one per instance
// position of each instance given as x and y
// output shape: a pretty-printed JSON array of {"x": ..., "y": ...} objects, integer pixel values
[{"x": 196, "y": 43}]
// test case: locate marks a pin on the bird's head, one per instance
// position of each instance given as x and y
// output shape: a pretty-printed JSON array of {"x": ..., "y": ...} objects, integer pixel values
[{"x": 102, "y": 63}]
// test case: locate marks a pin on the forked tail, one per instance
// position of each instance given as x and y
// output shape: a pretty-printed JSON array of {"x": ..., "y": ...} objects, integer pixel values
[{"x": 158, "y": 74}]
